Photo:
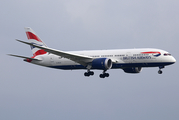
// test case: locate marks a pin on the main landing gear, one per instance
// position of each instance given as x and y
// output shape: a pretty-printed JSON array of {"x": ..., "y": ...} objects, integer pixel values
[
  {"x": 160, "y": 71},
  {"x": 88, "y": 73},
  {"x": 103, "y": 75}
]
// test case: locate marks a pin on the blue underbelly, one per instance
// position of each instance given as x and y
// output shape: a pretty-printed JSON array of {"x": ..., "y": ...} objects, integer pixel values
[{"x": 114, "y": 66}]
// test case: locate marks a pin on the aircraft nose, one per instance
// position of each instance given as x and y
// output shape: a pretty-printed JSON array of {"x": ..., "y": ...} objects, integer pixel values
[{"x": 173, "y": 59}]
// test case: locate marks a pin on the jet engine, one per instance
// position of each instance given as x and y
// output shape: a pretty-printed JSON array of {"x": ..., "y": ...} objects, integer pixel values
[
  {"x": 102, "y": 63},
  {"x": 133, "y": 70}
]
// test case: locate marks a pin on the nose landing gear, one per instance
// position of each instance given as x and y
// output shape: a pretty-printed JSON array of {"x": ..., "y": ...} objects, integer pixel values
[{"x": 160, "y": 71}]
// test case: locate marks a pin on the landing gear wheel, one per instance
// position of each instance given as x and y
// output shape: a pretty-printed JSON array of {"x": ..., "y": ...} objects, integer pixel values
[
  {"x": 86, "y": 74},
  {"x": 91, "y": 73},
  {"x": 101, "y": 76},
  {"x": 106, "y": 74},
  {"x": 159, "y": 72}
]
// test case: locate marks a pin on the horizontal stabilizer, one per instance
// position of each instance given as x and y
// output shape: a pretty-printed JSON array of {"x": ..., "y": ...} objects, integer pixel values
[{"x": 23, "y": 57}]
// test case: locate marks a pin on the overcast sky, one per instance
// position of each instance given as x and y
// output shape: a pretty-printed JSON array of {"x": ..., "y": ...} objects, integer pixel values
[{"x": 30, "y": 92}]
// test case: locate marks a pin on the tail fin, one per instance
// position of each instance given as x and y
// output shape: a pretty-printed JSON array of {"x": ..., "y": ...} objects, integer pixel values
[{"x": 33, "y": 38}]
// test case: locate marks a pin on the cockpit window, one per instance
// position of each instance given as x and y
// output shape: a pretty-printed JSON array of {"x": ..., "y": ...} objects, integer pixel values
[{"x": 167, "y": 54}]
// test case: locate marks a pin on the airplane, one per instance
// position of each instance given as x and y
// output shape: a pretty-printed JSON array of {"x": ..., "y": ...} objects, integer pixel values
[{"x": 129, "y": 60}]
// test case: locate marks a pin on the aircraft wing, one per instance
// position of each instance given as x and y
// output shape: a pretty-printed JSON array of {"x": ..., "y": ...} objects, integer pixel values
[{"x": 81, "y": 59}]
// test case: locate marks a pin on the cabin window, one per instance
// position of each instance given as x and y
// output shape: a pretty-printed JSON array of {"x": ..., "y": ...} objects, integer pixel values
[{"x": 167, "y": 54}]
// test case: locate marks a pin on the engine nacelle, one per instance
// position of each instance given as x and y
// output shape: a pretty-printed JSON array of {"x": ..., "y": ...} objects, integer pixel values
[
  {"x": 133, "y": 70},
  {"x": 102, "y": 63}
]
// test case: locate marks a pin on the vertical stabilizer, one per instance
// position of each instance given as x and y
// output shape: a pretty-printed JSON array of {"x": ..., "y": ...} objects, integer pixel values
[{"x": 33, "y": 38}]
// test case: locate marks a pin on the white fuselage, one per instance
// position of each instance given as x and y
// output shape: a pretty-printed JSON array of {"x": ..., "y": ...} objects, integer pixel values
[{"x": 121, "y": 58}]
